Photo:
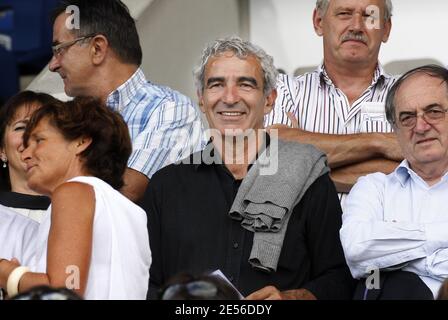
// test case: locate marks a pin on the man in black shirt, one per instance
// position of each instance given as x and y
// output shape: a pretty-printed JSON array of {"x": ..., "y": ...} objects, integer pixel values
[{"x": 194, "y": 220}]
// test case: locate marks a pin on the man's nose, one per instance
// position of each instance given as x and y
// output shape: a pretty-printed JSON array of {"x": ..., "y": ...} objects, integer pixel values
[
  {"x": 421, "y": 125},
  {"x": 357, "y": 22},
  {"x": 231, "y": 95},
  {"x": 54, "y": 65}
]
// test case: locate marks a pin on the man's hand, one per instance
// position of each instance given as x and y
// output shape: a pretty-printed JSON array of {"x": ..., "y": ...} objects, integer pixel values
[
  {"x": 272, "y": 293},
  {"x": 135, "y": 184},
  {"x": 389, "y": 147},
  {"x": 293, "y": 119}
]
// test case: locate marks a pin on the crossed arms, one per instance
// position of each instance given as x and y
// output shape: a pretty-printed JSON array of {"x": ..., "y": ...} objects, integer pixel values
[{"x": 349, "y": 156}]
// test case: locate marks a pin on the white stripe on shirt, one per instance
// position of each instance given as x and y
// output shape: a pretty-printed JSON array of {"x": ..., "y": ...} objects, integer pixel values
[{"x": 323, "y": 108}]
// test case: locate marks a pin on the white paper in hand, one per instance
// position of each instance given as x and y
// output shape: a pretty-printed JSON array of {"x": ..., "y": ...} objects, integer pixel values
[{"x": 218, "y": 273}]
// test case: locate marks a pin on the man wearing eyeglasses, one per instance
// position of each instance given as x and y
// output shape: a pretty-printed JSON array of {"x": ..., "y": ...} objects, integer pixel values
[
  {"x": 102, "y": 59},
  {"x": 397, "y": 224}
]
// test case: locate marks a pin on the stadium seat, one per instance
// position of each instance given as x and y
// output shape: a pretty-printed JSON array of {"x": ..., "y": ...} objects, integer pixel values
[
  {"x": 27, "y": 23},
  {"x": 401, "y": 66},
  {"x": 9, "y": 75}
]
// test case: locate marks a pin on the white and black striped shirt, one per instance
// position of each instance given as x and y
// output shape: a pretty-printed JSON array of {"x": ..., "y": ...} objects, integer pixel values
[{"x": 321, "y": 107}]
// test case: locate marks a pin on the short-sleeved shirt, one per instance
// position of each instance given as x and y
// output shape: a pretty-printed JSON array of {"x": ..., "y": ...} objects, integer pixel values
[
  {"x": 321, "y": 107},
  {"x": 164, "y": 125}
]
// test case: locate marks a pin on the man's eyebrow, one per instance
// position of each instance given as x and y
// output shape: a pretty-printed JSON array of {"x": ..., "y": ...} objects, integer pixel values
[
  {"x": 428, "y": 107},
  {"x": 248, "y": 79},
  {"x": 432, "y": 105},
  {"x": 343, "y": 9},
  {"x": 215, "y": 79}
]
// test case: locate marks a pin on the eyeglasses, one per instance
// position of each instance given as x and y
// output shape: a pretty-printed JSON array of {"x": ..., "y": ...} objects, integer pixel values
[
  {"x": 431, "y": 116},
  {"x": 58, "y": 49},
  {"x": 197, "y": 290}
]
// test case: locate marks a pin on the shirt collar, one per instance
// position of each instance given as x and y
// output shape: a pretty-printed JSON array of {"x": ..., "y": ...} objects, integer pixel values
[
  {"x": 379, "y": 76},
  {"x": 209, "y": 151},
  {"x": 403, "y": 172},
  {"x": 122, "y": 96}
]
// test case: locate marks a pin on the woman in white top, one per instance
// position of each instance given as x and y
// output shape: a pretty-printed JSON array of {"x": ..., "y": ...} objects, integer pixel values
[
  {"x": 14, "y": 190},
  {"x": 92, "y": 239},
  {"x": 17, "y": 235}
]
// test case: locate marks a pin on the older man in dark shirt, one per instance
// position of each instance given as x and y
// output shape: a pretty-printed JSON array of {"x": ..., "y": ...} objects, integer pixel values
[{"x": 194, "y": 217}]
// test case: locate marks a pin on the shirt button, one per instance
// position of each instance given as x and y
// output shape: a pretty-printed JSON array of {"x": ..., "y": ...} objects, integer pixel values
[{"x": 236, "y": 245}]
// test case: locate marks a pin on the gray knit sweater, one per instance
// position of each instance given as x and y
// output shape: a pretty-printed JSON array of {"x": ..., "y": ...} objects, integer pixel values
[{"x": 264, "y": 203}]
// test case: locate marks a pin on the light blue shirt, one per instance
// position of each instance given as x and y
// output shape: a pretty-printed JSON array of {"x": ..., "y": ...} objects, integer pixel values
[
  {"x": 397, "y": 221},
  {"x": 164, "y": 125}
]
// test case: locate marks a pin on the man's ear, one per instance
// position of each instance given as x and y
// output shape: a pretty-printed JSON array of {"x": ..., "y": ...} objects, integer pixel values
[
  {"x": 200, "y": 101},
  {"x": 387, "y": 29},
  {"x": 317, "y": 23},
  {"x": 82, "y": 144},
  {"x": 270, "y": 101},
  {"x": 100, "y": 46}
]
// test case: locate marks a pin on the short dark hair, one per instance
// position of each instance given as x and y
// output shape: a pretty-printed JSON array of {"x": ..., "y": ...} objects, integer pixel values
[
  {"x": 8, "y": 113},
  {"x": 431, "y": 70},
  {"x": 106, "y": 157},
  {"x": 110, "y": 18}
]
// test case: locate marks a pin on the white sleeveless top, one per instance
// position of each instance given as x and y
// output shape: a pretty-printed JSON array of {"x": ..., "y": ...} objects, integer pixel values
[
  {"x": 121, "y": 257},
  {"x": 17, "y": 236}
]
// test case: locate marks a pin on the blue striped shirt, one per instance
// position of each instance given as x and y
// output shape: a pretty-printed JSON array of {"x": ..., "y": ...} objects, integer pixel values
[{"x": 164, "y": 125}]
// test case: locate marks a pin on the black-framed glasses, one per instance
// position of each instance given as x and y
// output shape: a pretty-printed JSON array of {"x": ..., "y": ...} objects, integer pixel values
[
  {"x": 59, "y": 49},
  {"x": 194, "y": 290},
  {"x": 431, "y": 116}
]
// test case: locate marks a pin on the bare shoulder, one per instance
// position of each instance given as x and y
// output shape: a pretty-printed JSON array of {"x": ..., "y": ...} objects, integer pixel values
[
  {"x": 74, "y": 196},
  {"x": 73, "y": 189}
]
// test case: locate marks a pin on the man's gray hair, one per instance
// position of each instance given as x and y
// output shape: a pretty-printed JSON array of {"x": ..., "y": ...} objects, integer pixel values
[
  {"x": 429, "y": 70},
  {"x": 242, "y": 49},
  {"x": 322, "y": 6}
]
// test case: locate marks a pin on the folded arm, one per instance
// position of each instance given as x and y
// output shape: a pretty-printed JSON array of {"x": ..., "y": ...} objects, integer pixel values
[
  {"x": 345, "y": 177},
  {"x": 343, "y": 150}
]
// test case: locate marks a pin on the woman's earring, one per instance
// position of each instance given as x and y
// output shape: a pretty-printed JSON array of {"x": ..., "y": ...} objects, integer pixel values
[{"x": 5, "y": 161}]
